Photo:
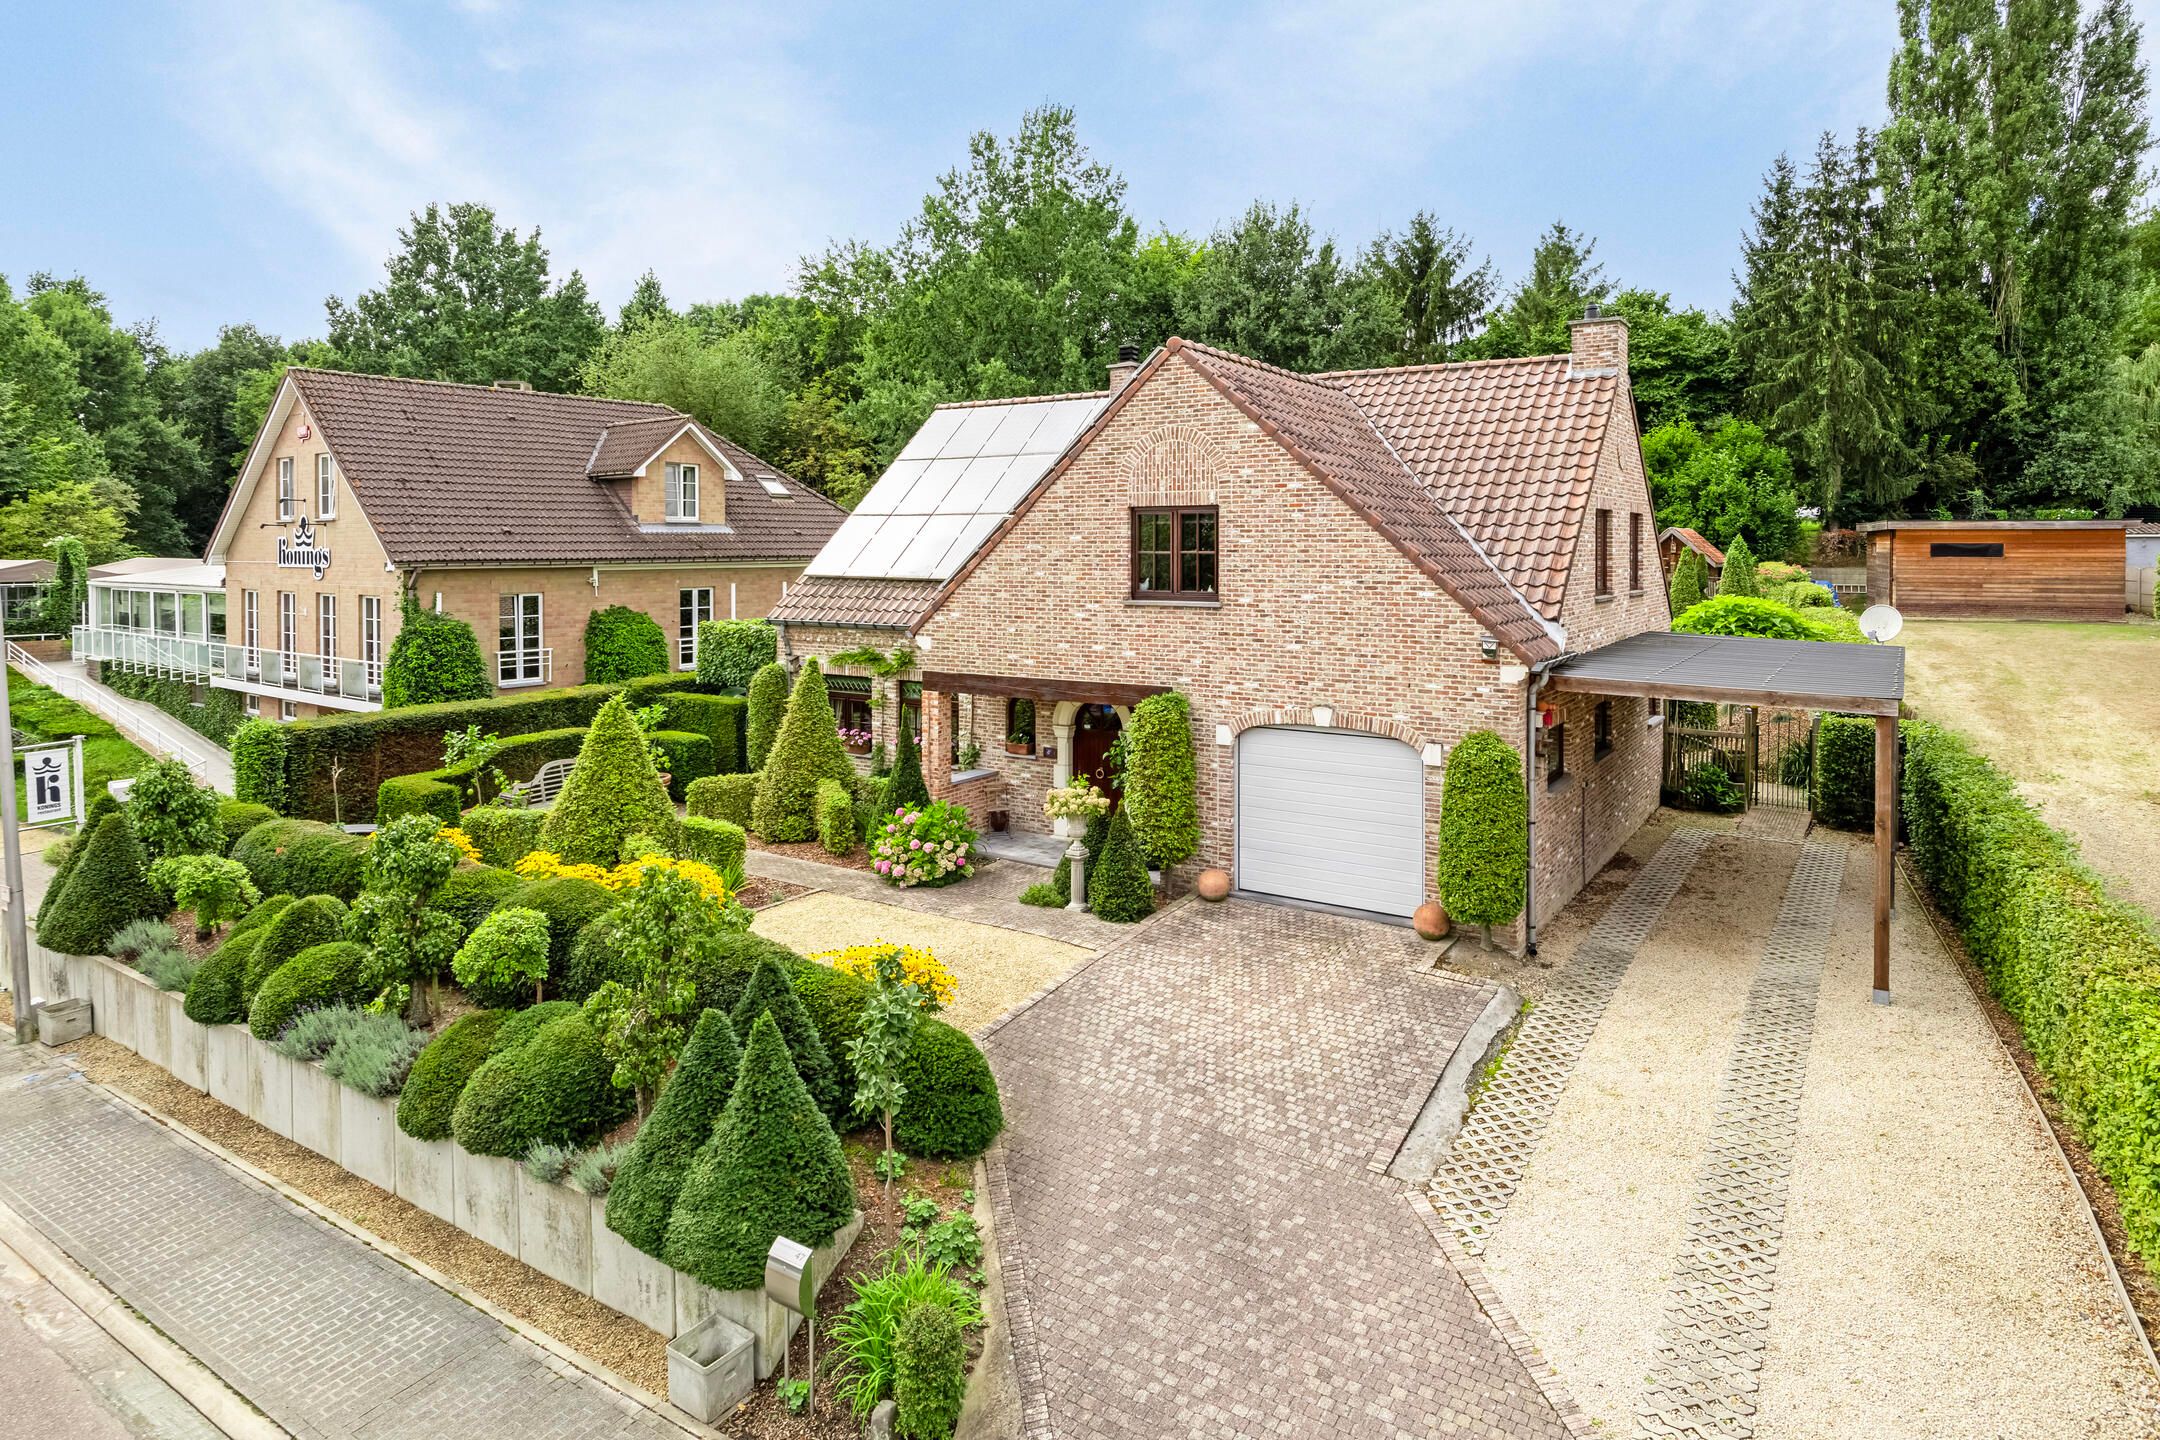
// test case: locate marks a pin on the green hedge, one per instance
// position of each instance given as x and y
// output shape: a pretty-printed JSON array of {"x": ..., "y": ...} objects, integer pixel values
[
  {"x": 729, "y": 652},
  {"x": 213, "y": 996},
  {"x": 929, "y": 1372},
  {"x": 767, "y": 707},
  {"x": 502, "y": 835},
  {"x": 331, "y": 974},
  {"x": 718, "y": 843},
  {"x": 717, "y": 717},
  {"x": 434, "y": 658},
  {"x": 473, "y": 892},
  {"x": 724, "y": 797},
  {"x": 217, "y": 714},
  {"x": 689, "y": 758},
  {"x": 835, "y": 817},
  {"x": 555, "y": 1089},
  {"x": 622, "y": 643},
  {"x": 288, "y": 766},
  {"x": 2078, "y": 969},
  {"x": 570, "y": 905},
  {"x": 236, "y": 817},
  {"x": 1843, "y": 791},
  {"x": 445, "y": 792},
  {"x": 1161, "y": 786},
  {"x": 951, "y": 1109},
  {"x": 301, "y": 857},
  {"x": 438, "y": 1077},
  {"x": 1484, "y": 818}
]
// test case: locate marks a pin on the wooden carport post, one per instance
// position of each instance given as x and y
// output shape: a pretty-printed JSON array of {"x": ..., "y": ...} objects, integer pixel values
[{"x": 1886, "y": 793}]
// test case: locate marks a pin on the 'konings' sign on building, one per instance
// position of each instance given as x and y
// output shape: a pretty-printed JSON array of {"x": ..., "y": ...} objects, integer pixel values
[{"x": 301, "y": 552}]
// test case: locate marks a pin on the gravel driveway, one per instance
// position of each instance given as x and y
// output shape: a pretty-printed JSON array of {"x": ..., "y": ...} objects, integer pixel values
[{"x": 1195, "y": 1240}]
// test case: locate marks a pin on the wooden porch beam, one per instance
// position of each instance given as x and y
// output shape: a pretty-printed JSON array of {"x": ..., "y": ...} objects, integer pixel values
[
  {"x": 1097, "y": 692},
  {"x": 1777, "y": 699},
  {"x": 1886, "y": 796}
]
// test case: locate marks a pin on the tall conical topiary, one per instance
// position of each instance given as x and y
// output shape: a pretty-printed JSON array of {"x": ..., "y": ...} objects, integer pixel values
[
  {"x": 1738, "y": 577},
  {"x": 1690, "y": 581},
  {"x": 106, "y": 888},
  {"x": 766, "y": 708},
  {"x": 905, "y": 788},
  {"x": 652, "y": 1174},
  {"x": 1484, "y": 829},
  {"x": 613, "y": 791},
  {"x": 1118, "y": 887},
  {"x": 773, "y": 1167},
  {"x": 807, "y": 749},
  {"x": 769, "y": 993},
  {"x": 99, "y": 808}
]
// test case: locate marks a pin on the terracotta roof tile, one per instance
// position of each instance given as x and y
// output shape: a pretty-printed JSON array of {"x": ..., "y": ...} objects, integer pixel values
[
  {"x": 847, "y": 600},
  {"x": 1694, "y": 541},
  {"x": 471, "y": 475}
]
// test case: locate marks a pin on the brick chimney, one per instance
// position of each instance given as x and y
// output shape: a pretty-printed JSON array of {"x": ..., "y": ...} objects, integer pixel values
[
  {"x": 1597, "y": 343},
  {"x": 1128, "y": 365}
]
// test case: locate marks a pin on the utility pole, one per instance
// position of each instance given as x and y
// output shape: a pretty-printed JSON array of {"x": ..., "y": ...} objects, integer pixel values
[{"x": 18, "y": 927}]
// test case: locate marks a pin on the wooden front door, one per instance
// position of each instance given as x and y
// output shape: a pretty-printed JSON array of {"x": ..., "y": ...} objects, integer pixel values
[{"x": 1095, "y": 730}]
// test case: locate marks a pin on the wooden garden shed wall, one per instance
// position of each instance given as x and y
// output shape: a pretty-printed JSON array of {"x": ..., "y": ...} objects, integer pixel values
[{"x": 2047, "y": 571}]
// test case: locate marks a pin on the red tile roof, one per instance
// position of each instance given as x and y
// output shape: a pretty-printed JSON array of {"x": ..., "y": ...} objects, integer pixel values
[
  {"x": 1694, "y": 541},
  {"x": 847, "y": 600},
  {"x": 471, "y": 475}
]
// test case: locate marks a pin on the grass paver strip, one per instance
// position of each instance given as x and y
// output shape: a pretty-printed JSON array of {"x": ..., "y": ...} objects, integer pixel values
[
  {"x": 1481, "y": 1175},
  {"x": 1706, "y": 1373}
]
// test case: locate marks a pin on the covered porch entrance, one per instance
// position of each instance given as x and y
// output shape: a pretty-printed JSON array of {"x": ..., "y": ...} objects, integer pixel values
[{"x": 1774, "y": 674}]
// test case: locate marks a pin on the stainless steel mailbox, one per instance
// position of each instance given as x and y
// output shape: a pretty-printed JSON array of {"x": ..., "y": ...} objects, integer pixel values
[{"x": 788, "y": 1281}]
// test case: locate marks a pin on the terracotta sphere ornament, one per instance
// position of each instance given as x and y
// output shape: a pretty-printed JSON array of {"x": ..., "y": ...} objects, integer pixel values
[
  {"x": 1213, "y": 885},
  {"x": 1431, "y": 922}
]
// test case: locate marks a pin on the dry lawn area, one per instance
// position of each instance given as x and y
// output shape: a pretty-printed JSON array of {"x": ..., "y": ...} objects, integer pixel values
[
  {"x": 2073, "y": 711},
  {"x": 993, "y": 968}
]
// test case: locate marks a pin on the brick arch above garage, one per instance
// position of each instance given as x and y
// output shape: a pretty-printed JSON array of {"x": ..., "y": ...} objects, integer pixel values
[{"x": 1388, "y": 726}]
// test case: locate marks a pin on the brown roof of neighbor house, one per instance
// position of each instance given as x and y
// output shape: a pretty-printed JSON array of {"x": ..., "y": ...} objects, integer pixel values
[
  {"x": 847, "y": 600},
  {"x": 453, "y": 474},
  {"x": 2145, "y": 527},
  {"x": 1873, "y": 525},
  {"x": 1694, "y": 541},
  {"x": 1321, "y": 421},
  {"x": 626, "y": 445}
]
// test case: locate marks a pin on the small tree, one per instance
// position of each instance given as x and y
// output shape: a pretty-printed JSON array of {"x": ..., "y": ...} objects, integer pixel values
[
  {"x": 905, "y": 789},
  {"x": 769, "y": 993},
  {"x": 880, "y": 1047},
  {"x": 1161, "y": 786},
  {"x": 1118, "y": 887},
  {"x": 509, "y": 947},
  {"x": 1739, "y": 575},
  {"x": 1690, "y": 580},
  {"x": 435, "y": 658},
  {"x": 214, "y": 888},
  {"x": 171, "y": 814},
  {"x": 807, "y": 749},
  {"x": 767, "y": 707},
  {"x": 470, "y": 747},
  {"x": 652, "y": 1174},
  {"x": 1484, "y": 832},
  {"x": 410, "y": 942},
  {"x": 70, "y": 587},
  {"x": 670, "y": 929},
  {"x": 613, "y": 792},
  {"x": 622, "y": 644},
  {"x": 730, "y": 652}
]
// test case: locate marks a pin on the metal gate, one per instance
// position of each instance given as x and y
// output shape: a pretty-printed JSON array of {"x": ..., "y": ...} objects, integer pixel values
[{"x": 1770, "y": 753}]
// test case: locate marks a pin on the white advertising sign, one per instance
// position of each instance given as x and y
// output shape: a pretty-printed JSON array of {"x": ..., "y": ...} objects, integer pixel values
[{"x": 49, "y": 775}]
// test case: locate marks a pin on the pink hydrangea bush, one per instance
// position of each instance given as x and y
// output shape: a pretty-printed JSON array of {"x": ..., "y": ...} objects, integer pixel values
[{"x": 928, "y": 845}]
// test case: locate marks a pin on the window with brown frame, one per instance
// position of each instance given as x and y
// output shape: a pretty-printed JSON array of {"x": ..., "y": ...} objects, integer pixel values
[
  {"x": 1634, "y": 551},
  {"x": 1174, "y": 554},
  {"x": 1604, "y": 552},
  {"x": 1601, "y": 730}
]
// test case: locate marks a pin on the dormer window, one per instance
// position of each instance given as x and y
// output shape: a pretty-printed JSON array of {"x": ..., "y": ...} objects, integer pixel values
[
  {"x": 682, "y": 492},
  {"x": 285, "y": 496}
]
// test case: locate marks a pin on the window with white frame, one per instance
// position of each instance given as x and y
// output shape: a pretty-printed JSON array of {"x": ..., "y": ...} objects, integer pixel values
[
  {"x": 287, "y": 710},
  {"x": 326, "y": 628},
  {"x": 251, "y": 629},
  {"x": 325, "y": 487},
  {"x": 519, "y": 657},
  {"x": 288, "y": 634},
  {"x": 682, "y": 492},
  {"x": 251, "y": 705},
  {"x": 286, "y": 500},
  {"x": 371, "y": 651},
  {"x": 693, "y": 607}
]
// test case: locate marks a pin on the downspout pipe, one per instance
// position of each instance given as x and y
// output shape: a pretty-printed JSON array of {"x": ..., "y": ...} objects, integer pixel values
[{"x": 1531, "y": 688}]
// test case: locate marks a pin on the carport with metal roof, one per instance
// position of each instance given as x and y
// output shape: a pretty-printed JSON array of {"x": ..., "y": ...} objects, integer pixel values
[{"x": 1744, "y": 670}]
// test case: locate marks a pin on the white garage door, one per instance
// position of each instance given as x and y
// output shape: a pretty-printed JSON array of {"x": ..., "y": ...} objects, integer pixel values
[{"x": 1332, "y": 816}]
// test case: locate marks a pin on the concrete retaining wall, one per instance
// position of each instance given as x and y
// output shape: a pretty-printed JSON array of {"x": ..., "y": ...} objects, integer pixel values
[{"x": 558, "y": 1231}]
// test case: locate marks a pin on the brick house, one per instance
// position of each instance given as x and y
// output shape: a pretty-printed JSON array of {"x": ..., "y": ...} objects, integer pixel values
[
  {"x": 517, "y": 511},
  {"x": 1344, "y": 572}
]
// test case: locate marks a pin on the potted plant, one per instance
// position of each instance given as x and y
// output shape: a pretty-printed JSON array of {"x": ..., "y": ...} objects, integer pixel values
[
  {"x": 1020, "y": 739},
  {"x": 1019, "y": 743},
  {"x": 856, "y": 740},
  {"x": 1073, "y": 804}
]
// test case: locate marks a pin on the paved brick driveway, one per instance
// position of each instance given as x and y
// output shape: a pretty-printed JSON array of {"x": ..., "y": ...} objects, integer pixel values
[{"x": 1194, "y": 1239}]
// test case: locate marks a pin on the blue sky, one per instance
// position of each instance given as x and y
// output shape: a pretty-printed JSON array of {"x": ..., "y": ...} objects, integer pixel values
[{"x": 214, "y": 162}]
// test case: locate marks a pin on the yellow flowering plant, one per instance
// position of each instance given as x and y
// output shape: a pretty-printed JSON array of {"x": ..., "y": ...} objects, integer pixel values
[
  {"x": 919, "y": 967},
  {"x": 546, "y": 865},
  {"x": 465, "y": 847}
]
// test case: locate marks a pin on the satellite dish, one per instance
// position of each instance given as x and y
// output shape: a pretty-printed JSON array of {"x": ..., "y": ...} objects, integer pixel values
[{"x": 1881, "y": 623}]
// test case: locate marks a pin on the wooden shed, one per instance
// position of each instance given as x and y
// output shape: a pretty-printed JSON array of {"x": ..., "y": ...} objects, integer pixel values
[
  {"x": 1998, "y": 569},
  {"x": 1674, "y": 538}
]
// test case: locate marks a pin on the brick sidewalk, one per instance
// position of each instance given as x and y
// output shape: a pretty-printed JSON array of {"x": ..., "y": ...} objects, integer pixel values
[{"x": 326, "y": 1336}]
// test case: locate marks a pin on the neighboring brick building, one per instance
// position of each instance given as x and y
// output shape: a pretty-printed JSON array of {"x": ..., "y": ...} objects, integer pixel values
[
  {"x": 1345, "y": 573},
  {"x": 517, "y": 511}
]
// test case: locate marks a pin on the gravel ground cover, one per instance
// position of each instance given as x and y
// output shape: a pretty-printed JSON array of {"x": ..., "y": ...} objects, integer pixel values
[{"x": 994, "y": 968}]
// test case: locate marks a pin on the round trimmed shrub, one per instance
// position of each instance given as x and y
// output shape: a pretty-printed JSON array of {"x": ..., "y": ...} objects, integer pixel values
[
  {"x": 613, "y": 792},
  {"x": 652, "y": 1174},
  {"x": 769, "y": 993},
  {"x": 434, "y": 658},
  {"x": 951, "y": 1110},
  {"x": 213, "y": 996},
  {"x": 106, "y": 889},
  {"x": 236, "y": 817},
  {"x": 772, "y": 1167},
  {"x": 570, "y": 905},
  {"x": 622, "y": 644},
  {"x": 519, "y": 1026},
  {"x": 504, "y": 961},
  {"x": 834, "y": 1000},
  {"x": 555, "y": 1089},
  {"x": 1118, "y": 886},
  {"x": 316, "y": 920},
  {"x": 267, "y": 910},
  {"x": 1161, "y": 783},
  {"x": 474, "y": 891},
  {"x": 768, "y": 707},
  {"x": 1484, "y": 827},
  {"x": 438, "y": 1077},
  {"x": 332, "y": 974},
  {"x": 302, "y": 857}
]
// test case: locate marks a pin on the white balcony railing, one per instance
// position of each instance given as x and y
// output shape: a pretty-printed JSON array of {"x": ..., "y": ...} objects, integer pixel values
[
  {"x": 524, "y": 667},
  {"x": 166, "y": 656},
  {"x": 300, "y": 671}
]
